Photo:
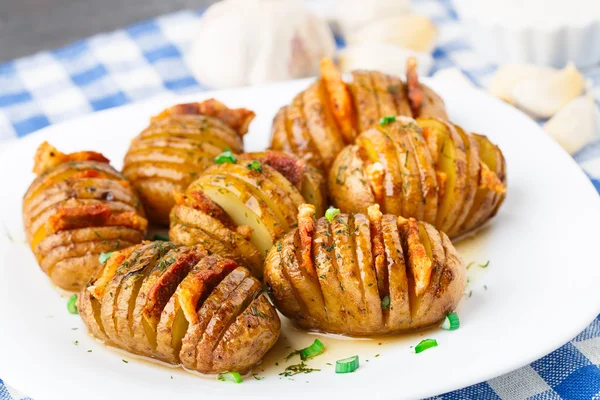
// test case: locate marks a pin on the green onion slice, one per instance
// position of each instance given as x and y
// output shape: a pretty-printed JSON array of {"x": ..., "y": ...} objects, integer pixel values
[
  {"x": 331, "y": 212},
  {"x": 72, "y": 304},
  {"x": 255, "y": 166},
  {"x": 385, "y": 302},
  {"x": 164, "y": 238},
  {"x": 104, "y": 256},
  {"x": 451, "y": 322},
  {"x": 313, "y": 350},
  {"x": 425, "y": 344},
  {"x": 387, "y": 120},
  {"x": 225, "y": 157},
  {"x": 346, "y": 365},
  {"x": 234, "y": 377}
]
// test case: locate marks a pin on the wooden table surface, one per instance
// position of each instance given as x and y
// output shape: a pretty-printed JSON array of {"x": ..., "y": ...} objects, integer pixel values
[{"x": 28, "y": 26}]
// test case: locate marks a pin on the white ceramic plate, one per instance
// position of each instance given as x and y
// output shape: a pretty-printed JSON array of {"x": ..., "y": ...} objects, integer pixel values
[{"x": 538, "y": 292}]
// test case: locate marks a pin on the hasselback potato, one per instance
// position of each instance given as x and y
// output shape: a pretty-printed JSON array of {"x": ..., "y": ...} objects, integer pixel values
[
  {"x": 76, "y": 208},
  {"x": 426, "y": 168},
  {"x": 239, "y": 208},
  {"x": 177, "y": 146},
  {"x": 330, "y": 113},
  {"x": 180, "y": 305},
  {"x": 364, "y": 275}
]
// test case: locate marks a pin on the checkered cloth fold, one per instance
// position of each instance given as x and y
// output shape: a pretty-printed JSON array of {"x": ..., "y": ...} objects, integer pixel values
[{"x": 148, "y": 58}]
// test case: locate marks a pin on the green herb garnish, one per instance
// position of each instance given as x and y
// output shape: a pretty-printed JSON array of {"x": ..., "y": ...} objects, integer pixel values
[
  {"x": 161, "y": 237},
  {"x": 225, "y": 157},
  {"x": 425, "y": 344},
  {"x": 234, "y": 377},
  {"x": 385, "y": 302},
  {"x": 72, "y": 304},
  {"x": 331, "y": 212},
  {"x": 387, "y": 120},
  {"x": 104, "y": 256},
  {"x": 346, "y": 365},
  {"x": 255, "y": 166}
]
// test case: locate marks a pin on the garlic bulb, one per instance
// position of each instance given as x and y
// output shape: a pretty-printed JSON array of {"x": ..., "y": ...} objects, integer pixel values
[
  {"x": 351, "y": 15},
  {"x": 386, "y": 58},
  {"x": 543, "y": 97},
  {"x": 249, "y": 42},
  {"x": 509, "y": 75},
  {"x": 575, "y": 125},
  {"x": 414, "y": 32}
]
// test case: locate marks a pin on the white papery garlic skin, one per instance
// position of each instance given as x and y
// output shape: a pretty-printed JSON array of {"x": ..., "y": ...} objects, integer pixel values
[
  {"x": 386, "y": 58},
  {"x": 351, "y": 15},
  {"x": 507, "y": 76},
  {"x": 250, "y": 42},
  {"x": 542, "y": 98},
  {"x": 414, "y": 32},
  {"x": 575, "y": 125}
]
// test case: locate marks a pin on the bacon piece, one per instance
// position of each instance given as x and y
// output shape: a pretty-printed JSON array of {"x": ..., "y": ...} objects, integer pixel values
[
  {"x": 415, "y": 93},
  {"x": 67, "y": 218},
  {"x": 198, "y": 200},
  {"x": 291, "y": 167},
  {"x": 237, "y": 118},
  {"x": 488, "y": 179},
  {"x": 339, "y": 98},
  {"x": 378, "y": 249},
  {"x": 47, "y": 157},
  {"x": 306, "y": 230}
]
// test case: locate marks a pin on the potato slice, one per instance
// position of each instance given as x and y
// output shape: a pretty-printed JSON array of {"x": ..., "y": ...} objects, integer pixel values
[
  {"x": 245, "y": 209},
  {"x": 471, "y": 182},
  {"x": 379, "y": 147},
  {"x": 348, "y": 182},
  {"x": 299, "y": 134},
  {"x": 279, "y": 134},
  {"x": 252, "y": 334},
  {"x": 322, "y": 125},
  {"x": 208, "y": 308},
  {"x": 385, "y": 100},
  {"x": 397, "y": 90},
  {"x": 425, "y": 166},
  {"x": 365, "y": 100},
  {"x": 450, "y": 164}
]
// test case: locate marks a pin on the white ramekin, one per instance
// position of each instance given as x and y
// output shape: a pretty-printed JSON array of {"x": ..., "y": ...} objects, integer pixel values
[{"x": 502, "y": 39}]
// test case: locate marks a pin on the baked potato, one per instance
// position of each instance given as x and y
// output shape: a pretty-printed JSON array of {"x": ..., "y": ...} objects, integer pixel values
[
  {"x": 426, "y": 168},
  {"x": 364, "y": 275},
  {"x": 76, "y": 208},
  {"x": 330, "y": 113},
  {"x": 180, "y": 305},
  {"x": 238, "y": 209},
  {"x": 177, "y": 146}
]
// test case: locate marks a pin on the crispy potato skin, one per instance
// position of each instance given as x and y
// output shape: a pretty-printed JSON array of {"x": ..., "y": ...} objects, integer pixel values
[
  {"x": 180, "y": 143},
  {"x": 238, "y": 211},
  {"x": 427, "y": 168},
  {"x": 331, "y": 112},
  {"x": 179, "y": 305},
  {"x": 77, "y": 208},
  {"x": 366, "y": 275}
]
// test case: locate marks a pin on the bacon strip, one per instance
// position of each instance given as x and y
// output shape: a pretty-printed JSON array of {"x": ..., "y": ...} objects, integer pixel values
[
  {"x": 67, "y": 218},
  {"x": 47, "y": 157}
]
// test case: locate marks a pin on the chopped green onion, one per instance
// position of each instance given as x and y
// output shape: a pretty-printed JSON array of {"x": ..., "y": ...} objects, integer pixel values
[
  {"x": 225, "y": 157},
  {"x": 72, "y": 304},
  {"x": 104, "y": 256},
  {"x": 313, "y": 350},
  {"x": 230, "y": 377},
  {"x": 451, "y": 322},
  {"x": 346, "y": 365},
  {"x": 385, "y": 302},
  {"x": 331, "y": 212},
  {"x": 161, "y": 237},
  {"x": 387, "y": 120},
  {"x": 255, "y": 166},
  {"x": 425, "y": 344}
]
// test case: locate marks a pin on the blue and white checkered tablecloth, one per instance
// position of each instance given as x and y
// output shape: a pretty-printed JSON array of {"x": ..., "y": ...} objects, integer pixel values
[{"x": 148, "y": 58}]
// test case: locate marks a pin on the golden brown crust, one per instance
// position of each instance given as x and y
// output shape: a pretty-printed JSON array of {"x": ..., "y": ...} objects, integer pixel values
[
  {"x": 376, "y": 274},
  {"x": 178, "y": 305},
  {"x": 47, "y": 157}
]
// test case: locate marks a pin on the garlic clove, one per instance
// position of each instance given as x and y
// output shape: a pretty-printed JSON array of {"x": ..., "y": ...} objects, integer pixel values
[
  {"x": 386, "y": 58},
  {"x": 351, "y": 15},
  {"x": 575, "y": 125},
  {"x": 453, "y": 76},
  {"x": 509, "y": 75},
  {"x": 542, "y": 97},
  {"x": 414, "y": 32}
]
